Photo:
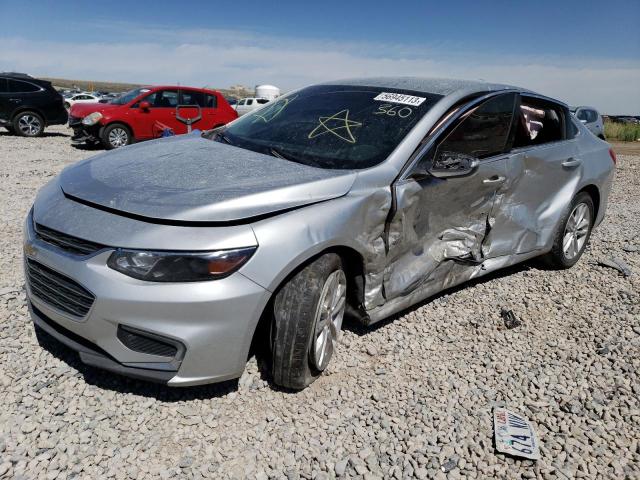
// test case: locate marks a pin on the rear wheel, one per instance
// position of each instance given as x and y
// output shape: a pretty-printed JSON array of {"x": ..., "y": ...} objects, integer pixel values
[
  {"x": 116, "y": 135},
  {"x": 573, "y": 235},
  {"x": 307, "y": 319},
  {"x": 28, "y": 124}
]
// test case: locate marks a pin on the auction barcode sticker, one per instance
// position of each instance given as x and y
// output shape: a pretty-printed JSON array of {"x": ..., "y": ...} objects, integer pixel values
[
  {"x": 514, "y": 434},
  {"x": 400, "y": 98}
]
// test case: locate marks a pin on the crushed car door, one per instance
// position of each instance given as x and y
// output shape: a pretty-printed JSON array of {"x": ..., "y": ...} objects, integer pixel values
[
  {"x": 444, "y": 207},
  {"x": 543, "y": 172}
]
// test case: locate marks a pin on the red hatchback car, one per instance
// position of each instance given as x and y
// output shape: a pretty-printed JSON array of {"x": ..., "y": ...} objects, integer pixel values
[{"x": 146, "y": 113}]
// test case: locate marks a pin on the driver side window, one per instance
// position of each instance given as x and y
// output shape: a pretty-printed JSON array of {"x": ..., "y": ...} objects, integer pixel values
[
  {"x": 162, "y": 99},
  {"x": 483, "y": 132}
]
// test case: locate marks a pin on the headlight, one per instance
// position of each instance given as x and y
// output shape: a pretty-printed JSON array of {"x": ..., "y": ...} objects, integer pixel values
[
  {"x": 179, "y": 266},
  {"x": 92, "y": 118}
]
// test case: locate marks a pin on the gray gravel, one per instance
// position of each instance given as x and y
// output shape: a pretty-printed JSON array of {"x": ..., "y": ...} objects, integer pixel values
[{"x": 410, "y": 398}]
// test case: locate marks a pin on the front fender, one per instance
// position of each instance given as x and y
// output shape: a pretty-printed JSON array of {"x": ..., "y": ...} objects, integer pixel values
[{"x": 287, "y": 241}]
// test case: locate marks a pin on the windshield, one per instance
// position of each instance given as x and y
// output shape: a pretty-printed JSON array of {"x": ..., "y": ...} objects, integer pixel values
[
  {"x": 128, "y": 96},
  {"x": 331, "y": 126}
]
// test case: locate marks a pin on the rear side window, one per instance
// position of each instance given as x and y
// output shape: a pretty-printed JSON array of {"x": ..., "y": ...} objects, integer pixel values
[
  {"x": 211, "y": 101},
  {"x": 18, "y": 86},
  {"x": 572, "y": 129},
  {"x": 483, "y": 132},
  {"x": 262, "y": 101},
  {"x": 250, "y": 101},
  {"x": 3, "y": 86},
  {"x": 190, "y": 97},
  {"x": 539, "y": 121}
]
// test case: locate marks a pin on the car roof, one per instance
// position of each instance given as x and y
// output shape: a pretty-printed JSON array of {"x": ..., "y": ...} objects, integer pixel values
[
  {"x": 26, "y": 77},
  {"x": 180, "y": 87},
  {"x": 583, "y": 106},
  {"x": 438, "y": 86}
]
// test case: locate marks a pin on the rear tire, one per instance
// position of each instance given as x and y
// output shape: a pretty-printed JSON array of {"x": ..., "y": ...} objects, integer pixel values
[
  {"x": 307, "y": 319},
  {"x": 116, "y": 135},
  {"x": 572, "y": 236},
  {"x": 28, "y": 124}
]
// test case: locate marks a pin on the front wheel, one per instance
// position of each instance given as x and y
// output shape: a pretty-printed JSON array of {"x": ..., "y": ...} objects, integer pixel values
[
  {"x": 573, "y": 235},
  {"x": 307, "y": 320},
  {"x": 116, "y": 135}
]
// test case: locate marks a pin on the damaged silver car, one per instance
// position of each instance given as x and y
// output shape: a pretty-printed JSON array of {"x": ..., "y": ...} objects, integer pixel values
[{"x": 168, "y": 260}]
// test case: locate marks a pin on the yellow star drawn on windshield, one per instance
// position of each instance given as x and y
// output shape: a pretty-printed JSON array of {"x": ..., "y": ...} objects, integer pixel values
[
  {"x": 271, "y": 112},
  {"x": 338, "y": 125}
]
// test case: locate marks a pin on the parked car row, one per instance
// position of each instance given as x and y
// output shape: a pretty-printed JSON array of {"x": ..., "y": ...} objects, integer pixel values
[
  {"x": 146, "y": 113},
  {"x": 29, "y": 105}
]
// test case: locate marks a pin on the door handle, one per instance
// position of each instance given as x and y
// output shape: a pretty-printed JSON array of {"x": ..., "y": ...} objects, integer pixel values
[
  {"x": 15, "y": 100},
  {"x": 571, "y": 162},
  {"x": 494, "y": 179}
]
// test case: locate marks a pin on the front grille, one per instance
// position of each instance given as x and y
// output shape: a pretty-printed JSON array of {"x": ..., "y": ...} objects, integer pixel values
[
  {"x": 142, "y": 343},
  {"x": 68, "y": 243},
  {"x": 58, "y": 290}
]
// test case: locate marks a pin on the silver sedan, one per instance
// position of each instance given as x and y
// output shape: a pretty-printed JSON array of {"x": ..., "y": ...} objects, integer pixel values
[{"x": 169, "y": 260}]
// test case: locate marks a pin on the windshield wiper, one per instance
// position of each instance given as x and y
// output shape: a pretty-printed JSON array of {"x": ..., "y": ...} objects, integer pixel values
[
  {"x": 224, "y": 138},
  {"x": 279, "y": 154}
]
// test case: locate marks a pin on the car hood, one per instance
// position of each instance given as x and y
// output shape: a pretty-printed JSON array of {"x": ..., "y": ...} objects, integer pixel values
[
  {"x": 81, "y": 110},
  {"x": 190, "y": 179}
]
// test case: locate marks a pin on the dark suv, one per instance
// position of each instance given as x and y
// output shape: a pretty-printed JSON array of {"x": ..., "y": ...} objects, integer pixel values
[{"x": 28, "y": 105}]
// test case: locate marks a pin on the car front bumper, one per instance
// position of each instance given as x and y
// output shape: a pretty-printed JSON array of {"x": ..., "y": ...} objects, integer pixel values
[
  {"x": 83, "y": 133},
  {"x": 214, "y": 321}
]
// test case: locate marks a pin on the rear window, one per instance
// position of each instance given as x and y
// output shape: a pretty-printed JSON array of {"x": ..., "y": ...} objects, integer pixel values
[
  {"x": 190, "y": 97},
  {"x": 332, "y": 126}
]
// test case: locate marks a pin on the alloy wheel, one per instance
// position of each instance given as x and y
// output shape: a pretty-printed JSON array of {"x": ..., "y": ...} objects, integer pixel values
[
  {"x": 328, "y": 319},
  {"x": 576, "y": 231},
  {"x": 29, "y": 125},
  {"x": 118, "y": 137}
]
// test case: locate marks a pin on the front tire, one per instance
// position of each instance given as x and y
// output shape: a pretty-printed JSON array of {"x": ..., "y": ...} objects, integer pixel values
[
  {"x": 116, "y": 135},
  {"x": 307, "y": 318},
  {"x": 573, "y": 235},
  {"x": 28, "y": 124}
]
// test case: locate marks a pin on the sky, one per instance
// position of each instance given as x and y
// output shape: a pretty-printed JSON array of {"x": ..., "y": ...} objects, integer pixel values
[{"x": 581, "y": 52}]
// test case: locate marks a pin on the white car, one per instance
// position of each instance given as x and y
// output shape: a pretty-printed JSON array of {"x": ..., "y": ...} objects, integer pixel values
[
  {"x": 80, "y": 98},
  {"x": 591, "y": 119},
  {"x": 247, "y": 105}
]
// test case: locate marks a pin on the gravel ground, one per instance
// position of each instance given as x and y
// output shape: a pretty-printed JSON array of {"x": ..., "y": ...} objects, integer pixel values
[{"x": 412, "y": 397}]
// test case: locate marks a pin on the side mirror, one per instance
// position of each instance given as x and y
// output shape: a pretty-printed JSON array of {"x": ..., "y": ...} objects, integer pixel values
[
  {"x": 144, "y": 106},
  {"x": 452, "y": 164}
]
